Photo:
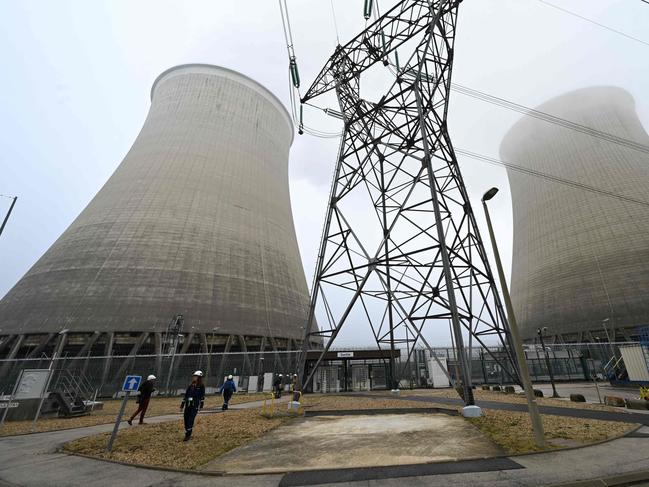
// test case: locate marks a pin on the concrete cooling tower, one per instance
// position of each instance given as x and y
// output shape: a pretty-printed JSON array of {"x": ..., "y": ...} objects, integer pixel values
[
  {"x": 580, "y": 258},
  {"x": 195, "y": 221}
]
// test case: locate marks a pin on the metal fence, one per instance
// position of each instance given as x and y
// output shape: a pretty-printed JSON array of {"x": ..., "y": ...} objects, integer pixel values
[
  {"x": 173, "y": 372},
  {"x": 568, "y": 363}
]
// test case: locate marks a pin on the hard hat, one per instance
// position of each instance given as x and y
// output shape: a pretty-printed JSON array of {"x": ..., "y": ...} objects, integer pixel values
[
  {"x": 151, "y": 377},
  {"x": 230, "y": 376},
  {"x": 198, "y": 373},
  {"x": 294, "y": 375},
  {"x": 280, "y": 375}
]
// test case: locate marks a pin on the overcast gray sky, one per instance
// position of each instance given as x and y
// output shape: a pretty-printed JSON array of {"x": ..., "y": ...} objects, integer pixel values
[{"x": 77, "y": 74}]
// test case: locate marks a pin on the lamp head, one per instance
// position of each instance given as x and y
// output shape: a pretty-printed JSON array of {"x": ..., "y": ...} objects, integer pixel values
[{"x": 490, "y": 194}]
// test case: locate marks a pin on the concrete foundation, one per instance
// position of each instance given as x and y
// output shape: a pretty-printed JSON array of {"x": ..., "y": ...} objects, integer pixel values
[{"x": 324, "y": 442}]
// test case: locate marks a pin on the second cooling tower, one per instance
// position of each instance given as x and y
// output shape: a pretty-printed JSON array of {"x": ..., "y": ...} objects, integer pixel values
[
  {"x": 581, "y": 256},
  {"x": 196, "y": 220}
]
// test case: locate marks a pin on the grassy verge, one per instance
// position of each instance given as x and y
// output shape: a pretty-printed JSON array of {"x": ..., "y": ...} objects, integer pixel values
[
  {"x": 512, "y": 431},
  {"x": 495, "y": 396},
  {"x": 325, "y": 402},
  {"x": 161, "y": 444},
  {"x": 157, "y": 407}
]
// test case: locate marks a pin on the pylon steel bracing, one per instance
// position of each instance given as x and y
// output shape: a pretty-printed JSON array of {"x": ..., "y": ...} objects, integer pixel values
[{"x": 415, "y": 259}]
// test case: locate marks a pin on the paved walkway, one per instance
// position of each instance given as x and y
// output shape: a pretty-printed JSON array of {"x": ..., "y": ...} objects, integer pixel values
[
  {"x": 31, "y": 460},
  {"x": 587, "y": 389}
]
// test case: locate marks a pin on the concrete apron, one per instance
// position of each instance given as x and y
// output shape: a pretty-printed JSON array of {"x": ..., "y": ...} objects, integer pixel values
[{"x": 334, "y": 442}]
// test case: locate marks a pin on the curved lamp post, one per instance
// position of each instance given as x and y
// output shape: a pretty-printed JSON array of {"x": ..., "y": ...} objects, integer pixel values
[
  {"x": 541, "y": 332},
  {"x": 537, "y": 424}
]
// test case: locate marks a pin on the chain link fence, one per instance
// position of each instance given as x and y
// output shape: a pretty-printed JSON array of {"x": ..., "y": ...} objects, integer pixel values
[
  {"x": 106, "y": 374},
  {"x": 573, "y": 362}
]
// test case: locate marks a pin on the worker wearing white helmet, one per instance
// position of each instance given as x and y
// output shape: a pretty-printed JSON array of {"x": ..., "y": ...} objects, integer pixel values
[
  {"x": 193, "y": 400},
  {"x": 143, "y": 398},
  {"x": 227, "y": 389},
  {"x": 277, "y": 385}
]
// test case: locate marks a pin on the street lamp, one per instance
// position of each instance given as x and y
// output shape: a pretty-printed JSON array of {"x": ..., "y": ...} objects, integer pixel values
[
  {"x": 537, "y": 424},
  {"x": 608, "y": 337},
  {"x": 541, "y": 332}
]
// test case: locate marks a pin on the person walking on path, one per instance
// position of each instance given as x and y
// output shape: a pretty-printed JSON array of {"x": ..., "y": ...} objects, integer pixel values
[
  {"x": 193, "y": 401},
  {"x": 278, "y": 386},
  {"x": 294, "y": 383},
  {"x": 145, "y": 391},
  {"x": 228, "y": 388}
]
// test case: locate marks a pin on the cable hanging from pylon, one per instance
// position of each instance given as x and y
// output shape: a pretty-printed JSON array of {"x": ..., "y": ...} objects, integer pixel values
[
  {"x": 294, "y": 79},
  {"x": 288, "y": 35}
]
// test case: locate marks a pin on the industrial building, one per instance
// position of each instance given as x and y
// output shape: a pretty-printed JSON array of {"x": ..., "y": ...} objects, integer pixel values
[
  {"x": 196, "y": 221},
  {"x": 581, "y": 257}
]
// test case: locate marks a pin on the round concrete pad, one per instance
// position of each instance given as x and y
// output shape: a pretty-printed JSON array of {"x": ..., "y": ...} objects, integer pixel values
[{"x": 324, "y": 442}]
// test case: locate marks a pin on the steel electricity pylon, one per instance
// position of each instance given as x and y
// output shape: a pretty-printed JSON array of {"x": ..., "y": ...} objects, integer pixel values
[{"x": 400, "y": 248}]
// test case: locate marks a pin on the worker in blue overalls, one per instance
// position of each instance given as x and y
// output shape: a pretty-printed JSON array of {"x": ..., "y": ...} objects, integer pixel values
[
  {"x": 228, "y": 389},
  {"x": 192, "y": 402}
]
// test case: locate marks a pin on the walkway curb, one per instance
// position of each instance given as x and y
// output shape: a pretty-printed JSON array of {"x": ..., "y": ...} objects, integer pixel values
[{"x": 614, "y": 481}]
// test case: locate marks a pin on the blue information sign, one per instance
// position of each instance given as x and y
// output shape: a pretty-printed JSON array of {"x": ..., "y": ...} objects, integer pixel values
[{"x": 131, "y": 383}]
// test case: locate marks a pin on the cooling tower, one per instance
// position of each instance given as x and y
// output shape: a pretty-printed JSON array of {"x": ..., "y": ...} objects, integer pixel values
[
  {"x": 581, "y": 258},
  {"x": 196, "y": 220}
]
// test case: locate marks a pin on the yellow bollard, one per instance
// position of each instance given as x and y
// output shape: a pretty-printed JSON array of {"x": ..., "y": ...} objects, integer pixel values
[{"x": 265, "y": 410}]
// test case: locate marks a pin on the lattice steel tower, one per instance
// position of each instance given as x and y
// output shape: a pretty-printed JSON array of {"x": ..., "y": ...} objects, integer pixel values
[{"x": 419, "y": 260}]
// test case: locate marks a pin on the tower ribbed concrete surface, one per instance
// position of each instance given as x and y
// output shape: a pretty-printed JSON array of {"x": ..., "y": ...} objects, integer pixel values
[
  {"x": 580, "y": 257},
  {"x": 196, "y": 220}
]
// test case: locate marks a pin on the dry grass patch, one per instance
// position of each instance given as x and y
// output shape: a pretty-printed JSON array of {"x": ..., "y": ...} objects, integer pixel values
[
  {"x": 161, "y": 444},
  {"x": 496, "y": 396},
  {"x": 326, "y": 402},
  {"x": 157, "y": 407},
  {"x": 512, "y": 431}
]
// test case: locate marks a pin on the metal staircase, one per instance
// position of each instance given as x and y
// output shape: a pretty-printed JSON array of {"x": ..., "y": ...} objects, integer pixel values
[
  {"x": 71, "y": 391},
  {"x": 615, "y": 369}
]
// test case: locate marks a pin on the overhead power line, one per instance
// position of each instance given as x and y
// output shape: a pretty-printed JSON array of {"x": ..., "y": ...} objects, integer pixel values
[
  {"x": 574, "y": 14},
  {"x": 487, "y": 98},
  {"x": 546, "y": 117},
  {"x": 550, "y": 177}
]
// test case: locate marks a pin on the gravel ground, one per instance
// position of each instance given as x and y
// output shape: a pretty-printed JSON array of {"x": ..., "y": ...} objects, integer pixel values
[{"x": 158, "y": 406}]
